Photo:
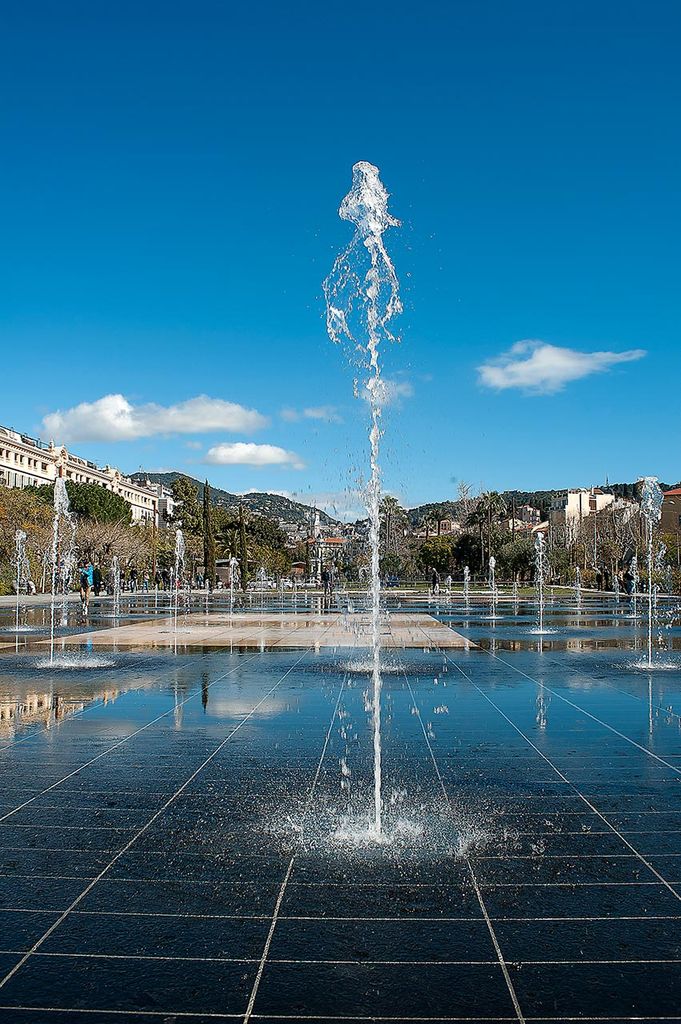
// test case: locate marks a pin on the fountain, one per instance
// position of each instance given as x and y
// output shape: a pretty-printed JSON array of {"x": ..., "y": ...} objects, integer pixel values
[
  {"x": 23, "y": 570},
  {"x": 116, "y": 585},
  {"x": 541, "y": 569},
  {"x": 466, "y": 584},
  {"x": 635, "y": 582},
  {"x": 651, "y": 510},
  {"x": 493, "y": 584},
  {"x": 233, "y": 578},
  {"x": 178, "y": 571},
  {"x": 578, "y": 586},
  {"x": 362, "y": 296},
  {"x": 62, "y": 560}
]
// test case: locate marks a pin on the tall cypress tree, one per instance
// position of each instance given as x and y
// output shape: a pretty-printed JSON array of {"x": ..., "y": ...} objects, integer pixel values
[
  {"x": 243, "y": 549},
  {"x": 208, "y": 538}
]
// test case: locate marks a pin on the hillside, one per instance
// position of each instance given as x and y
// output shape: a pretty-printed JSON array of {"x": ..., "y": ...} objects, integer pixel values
[
  {"x": 538, "y": 499},
  {"x": 274, "y": 506}
]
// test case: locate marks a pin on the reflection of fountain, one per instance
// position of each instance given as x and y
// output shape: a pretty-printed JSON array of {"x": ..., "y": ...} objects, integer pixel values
[
  {"x": 541, "y": 566},
  {"x": 651, "y": 510},
  {"x": 178, "y": 573},
  {"x": 62, "y": 560},
  {"x": 362, "y": 296}
]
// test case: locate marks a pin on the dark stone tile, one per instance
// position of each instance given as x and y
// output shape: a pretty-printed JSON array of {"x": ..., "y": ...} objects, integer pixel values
[
  {"x": 590, "y": 940},
  {"x": 125, "y": 935},
  {"x": 183, "y": 897},
  {"x": 580, "y": 901},
  {"x": 380, "y": 901},
  {"x": 128, "y": 985},
  {"x": 382, "y": 940},
  {"x": 599, "y": 990},
  {"x": 381, "y": 990},
  {"x": 20, "y": 929},
  {"x": 39, "y": 893},
  {"x": 547, "y": 870}
]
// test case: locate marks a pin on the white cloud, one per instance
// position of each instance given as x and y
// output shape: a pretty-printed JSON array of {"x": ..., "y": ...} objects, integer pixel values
[
  {"x": 195, "y": 446},
  {"x": 540, "y": 368},
  {"x": 114, "y": 418},
  {"x": 250, "y": 454},
  {"x": 328, "y": 413}
]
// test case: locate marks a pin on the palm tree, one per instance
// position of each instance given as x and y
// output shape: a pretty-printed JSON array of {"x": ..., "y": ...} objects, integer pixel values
[{"x": 490, "y": 509}]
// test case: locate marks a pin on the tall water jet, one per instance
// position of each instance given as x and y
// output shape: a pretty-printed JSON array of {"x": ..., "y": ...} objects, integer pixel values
[
  {"x": 651, "y": 510},
  {"x": 62, "y": 557},
  {"x": 466, "y": 584},
  {"x": 541, "y": 568},
  {"x": 362, "y": 297},
  {"x": 178, "y": 571}
]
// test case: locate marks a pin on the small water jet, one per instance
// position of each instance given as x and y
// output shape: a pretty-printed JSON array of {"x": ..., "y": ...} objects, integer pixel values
[
  {"x": 578, "y": 586},
  {"x": 493, "y": 585},
  {"x": 541, "y": 570},
  {"x": 178, "y": 572},
  {"x": 63, "y": 553},
  {"x": 362, "y": 297},
  {"x": 651, "y": 510},
  {"x": 23, "y": 571},
  {"x": 116, "y": 585}
]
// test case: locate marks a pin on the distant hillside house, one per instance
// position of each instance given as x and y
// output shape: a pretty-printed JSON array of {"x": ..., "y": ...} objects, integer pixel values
[
  {"x": 27, "y": 462},
  {"x": 576, "y": 504},
  {"x": 671, "y": 511}
]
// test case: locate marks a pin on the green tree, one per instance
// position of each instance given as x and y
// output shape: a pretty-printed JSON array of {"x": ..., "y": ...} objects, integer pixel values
[
  {"x": 208, "y": 538},
  {"x": 489, "y": 511},
  {"x": 516, "y": 558},
  {"x": 243, "y": 548},
  {"x": 189, "y": 513},
  {"x": 90, "y": 501}
]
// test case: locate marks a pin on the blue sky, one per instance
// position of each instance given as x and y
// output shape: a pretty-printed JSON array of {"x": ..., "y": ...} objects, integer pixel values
[{"x": 171, "y": 175}]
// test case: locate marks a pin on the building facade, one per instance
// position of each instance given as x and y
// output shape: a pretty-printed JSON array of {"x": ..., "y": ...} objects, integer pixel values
[
  {"x": 576, "y": 504},
  {"x": 26, "y": 462},
  {"x": 671, "y": 511}
]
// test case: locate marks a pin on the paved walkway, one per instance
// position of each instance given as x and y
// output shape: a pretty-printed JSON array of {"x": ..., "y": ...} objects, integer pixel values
[{"x": 305, "y": 629}]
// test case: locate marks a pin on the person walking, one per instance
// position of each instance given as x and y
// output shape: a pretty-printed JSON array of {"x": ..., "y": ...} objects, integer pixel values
[
  {"x": 86, "y": 573},
  {"x": 96, "y": 580}
]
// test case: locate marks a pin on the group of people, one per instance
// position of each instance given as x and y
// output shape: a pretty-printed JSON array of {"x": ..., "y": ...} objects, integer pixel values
[{"x": 92, "y": 581}]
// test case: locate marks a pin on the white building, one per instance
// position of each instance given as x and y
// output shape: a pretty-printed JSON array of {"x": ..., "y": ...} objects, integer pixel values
[
  {"x": 576, "y": 505},
  {"x": 25, "y": 462}
]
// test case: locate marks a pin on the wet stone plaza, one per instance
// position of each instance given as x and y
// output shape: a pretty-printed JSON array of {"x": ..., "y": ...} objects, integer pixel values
[{"x": 184, "y": 826}]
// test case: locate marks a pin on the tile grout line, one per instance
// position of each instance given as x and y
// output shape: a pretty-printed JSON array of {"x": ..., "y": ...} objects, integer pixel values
[
  {"x": 490, "y": 927},
  {"x": 103, "y": 753},
  {"x": 564, "y": 778},
  {"x": 145, "y": 827},
  {"x": 280, "y": 897},
  {"x": 583, "y": 711}
]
